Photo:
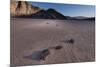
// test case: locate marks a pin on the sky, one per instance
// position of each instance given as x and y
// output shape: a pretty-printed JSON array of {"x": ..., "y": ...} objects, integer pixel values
[{"x": 69, "y": 9}]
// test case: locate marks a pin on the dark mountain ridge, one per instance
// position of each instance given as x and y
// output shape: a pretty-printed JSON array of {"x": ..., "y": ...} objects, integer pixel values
[{"x": 47, "y": 14}]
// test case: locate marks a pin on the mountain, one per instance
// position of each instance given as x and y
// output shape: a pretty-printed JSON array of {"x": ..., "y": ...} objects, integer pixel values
[
  {"x": 80, "y": 18},
  {"x": 90, "y": 18},
  {"x": 56, "y": 14},
  {"x": 20, "y": 8},
  {"x": 23, "y": 9},
  {"x": 42, "y": 14},
  {"x": 48, "y": 14}
]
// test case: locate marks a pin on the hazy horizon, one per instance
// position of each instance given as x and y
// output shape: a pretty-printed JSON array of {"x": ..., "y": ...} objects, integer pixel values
[{"x": 72, "y": 10}]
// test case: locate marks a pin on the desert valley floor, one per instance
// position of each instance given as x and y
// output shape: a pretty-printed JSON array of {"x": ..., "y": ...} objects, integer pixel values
[{"x": 31, "y": 35}]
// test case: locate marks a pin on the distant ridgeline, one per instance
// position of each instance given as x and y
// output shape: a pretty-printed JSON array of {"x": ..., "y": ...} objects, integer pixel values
[{"x": 23, "y": 9}]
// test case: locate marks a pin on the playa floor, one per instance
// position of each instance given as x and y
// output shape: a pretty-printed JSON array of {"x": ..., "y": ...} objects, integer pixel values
[{"x": 32, "y": 35}]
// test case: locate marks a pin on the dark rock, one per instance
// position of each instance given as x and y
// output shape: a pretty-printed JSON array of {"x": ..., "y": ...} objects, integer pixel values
[
  {"x": 69, "y": 41},
  {"x": 58, "y": 47}
]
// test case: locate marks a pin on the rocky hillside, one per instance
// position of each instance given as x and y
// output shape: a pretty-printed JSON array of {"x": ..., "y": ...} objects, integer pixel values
[
  {"x": 20, "y": 8},
  {"x": 23, "y": 9}
]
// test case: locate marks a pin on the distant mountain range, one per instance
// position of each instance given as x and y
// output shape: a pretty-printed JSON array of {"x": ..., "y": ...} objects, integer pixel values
[
  {"x": 80, "y": 18},
  {"x": 23, "y": 9}
]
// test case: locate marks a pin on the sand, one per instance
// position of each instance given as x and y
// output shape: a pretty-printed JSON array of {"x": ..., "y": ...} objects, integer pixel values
[{"x": 31, "y": 35}]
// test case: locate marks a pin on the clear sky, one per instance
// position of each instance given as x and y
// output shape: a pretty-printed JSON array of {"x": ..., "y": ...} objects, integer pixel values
[{"x": 69, "y": 9}]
